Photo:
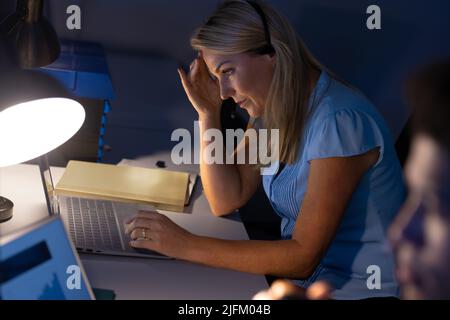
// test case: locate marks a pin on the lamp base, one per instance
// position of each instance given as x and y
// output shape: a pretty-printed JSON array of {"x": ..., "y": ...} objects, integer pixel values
[{"x": 6, "y": 209}]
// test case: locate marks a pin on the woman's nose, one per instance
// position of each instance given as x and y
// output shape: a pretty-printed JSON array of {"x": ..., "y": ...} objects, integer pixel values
[{"x": 225, "y": 91}]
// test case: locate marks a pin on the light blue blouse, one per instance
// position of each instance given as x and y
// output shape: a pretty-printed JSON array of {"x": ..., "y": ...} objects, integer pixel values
[{"x": 344, "y": 123}]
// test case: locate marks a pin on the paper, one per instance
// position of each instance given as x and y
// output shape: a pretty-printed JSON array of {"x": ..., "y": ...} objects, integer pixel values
[
  {"x": 162, "y": 188},
  {"x": 143, "y": 164}
]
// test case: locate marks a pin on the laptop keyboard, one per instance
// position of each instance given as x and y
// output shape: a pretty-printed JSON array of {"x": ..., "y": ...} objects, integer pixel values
[{"x": 92, "y": 224}]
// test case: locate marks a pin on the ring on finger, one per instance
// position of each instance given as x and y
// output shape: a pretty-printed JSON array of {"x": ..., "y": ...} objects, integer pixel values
[{"x": 144, "y": 234}]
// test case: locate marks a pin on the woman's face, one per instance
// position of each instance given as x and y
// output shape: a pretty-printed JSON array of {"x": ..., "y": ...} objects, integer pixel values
[
  {"x": 244, "y": 77},
  {"x": 421, "y": 232}
]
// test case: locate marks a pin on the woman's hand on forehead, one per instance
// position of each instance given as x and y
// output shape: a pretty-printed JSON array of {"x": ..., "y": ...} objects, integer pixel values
[{"x": 202, "y": 90}]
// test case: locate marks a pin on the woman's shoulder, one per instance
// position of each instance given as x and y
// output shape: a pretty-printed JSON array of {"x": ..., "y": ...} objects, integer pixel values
[
  {"x": 343, "y": 101},
  {"x": 345, "y": 123},
  {"x": 340, "y": 96}
]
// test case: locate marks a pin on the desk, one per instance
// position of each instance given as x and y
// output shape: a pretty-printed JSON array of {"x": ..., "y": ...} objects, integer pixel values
[{"x": 136, "y": 278}]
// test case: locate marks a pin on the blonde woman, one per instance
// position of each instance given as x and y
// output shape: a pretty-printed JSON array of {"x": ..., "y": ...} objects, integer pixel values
[{"x": 339, "y": 183}]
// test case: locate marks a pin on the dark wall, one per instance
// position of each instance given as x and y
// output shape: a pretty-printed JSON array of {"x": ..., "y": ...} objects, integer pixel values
[
  {"x": 144, "y": 39},
  {"x": 413, "y": 33}
]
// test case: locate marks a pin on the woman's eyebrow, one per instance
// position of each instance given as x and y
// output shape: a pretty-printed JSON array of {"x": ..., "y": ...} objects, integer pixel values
[{"x": 220, "y": 64}]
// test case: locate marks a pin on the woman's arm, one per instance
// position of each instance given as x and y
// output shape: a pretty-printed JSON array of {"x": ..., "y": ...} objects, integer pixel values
[
  {"x": 227, "y": 186},
  {"x": 331, "y": 184}
]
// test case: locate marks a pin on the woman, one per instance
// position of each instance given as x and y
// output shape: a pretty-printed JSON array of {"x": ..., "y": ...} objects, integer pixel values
[{"x": 339, "y": 183}]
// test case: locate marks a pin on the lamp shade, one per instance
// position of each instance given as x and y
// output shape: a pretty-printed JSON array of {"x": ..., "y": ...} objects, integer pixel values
[
  {"x": 36, "y": 114},
  {"x": 33, "y": 128},
  {"x": 34, "y": 42}
]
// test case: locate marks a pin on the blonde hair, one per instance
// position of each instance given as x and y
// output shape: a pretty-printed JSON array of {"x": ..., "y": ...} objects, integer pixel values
[{"x": 236, "y": 27}]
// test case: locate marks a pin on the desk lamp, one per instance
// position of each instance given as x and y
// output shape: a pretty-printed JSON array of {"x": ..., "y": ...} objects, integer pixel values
[
  {"x": 33, "y": 128},
  {"x": 36, "y": 116}
]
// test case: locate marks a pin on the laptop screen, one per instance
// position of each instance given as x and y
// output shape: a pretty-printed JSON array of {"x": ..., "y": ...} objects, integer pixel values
[
  {"x": 49, "y": 189},
  {"x": 40, "y": 263}
]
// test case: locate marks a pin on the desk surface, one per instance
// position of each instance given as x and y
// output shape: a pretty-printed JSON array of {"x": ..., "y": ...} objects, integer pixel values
[{"x": 138, "y": 278}]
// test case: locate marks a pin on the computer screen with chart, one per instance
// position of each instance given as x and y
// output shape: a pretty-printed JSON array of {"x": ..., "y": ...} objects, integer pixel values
[{"x": 40, "y": 263}]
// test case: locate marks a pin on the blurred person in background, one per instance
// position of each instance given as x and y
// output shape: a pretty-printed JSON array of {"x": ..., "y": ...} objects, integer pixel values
[{"x": 420, "y": 234}]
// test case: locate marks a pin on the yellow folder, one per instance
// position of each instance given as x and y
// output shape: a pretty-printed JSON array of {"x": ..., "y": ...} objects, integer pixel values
[{"x": 161, "y": 188}]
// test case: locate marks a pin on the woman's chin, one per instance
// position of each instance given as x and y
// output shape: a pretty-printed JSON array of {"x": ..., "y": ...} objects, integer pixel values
[{"x": 252, "y": 113}]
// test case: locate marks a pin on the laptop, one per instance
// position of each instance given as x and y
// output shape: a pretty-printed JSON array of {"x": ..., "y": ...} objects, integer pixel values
[
  {"x": 95, "y": 226},
  {"x": 39, "y": 262}
]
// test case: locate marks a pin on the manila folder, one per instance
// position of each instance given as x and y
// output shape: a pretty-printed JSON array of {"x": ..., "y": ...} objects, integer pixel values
[{"x": 161, "y": 188}]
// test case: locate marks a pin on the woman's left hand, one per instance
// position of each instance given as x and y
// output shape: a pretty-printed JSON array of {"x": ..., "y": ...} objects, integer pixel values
[{"x": 161, "y": 234}]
